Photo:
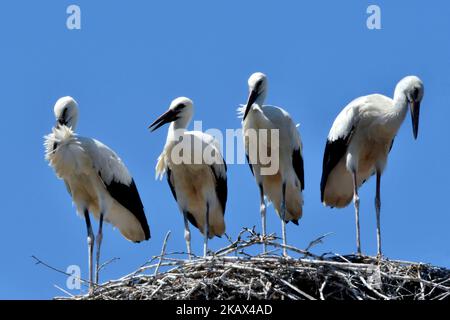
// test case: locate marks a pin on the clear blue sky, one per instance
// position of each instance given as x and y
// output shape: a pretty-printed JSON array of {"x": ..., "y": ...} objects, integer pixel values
[{"x": 131, "y": 58}]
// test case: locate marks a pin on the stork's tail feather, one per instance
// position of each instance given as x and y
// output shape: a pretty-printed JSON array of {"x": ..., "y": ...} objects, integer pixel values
[{"x": 160, "y": 167}]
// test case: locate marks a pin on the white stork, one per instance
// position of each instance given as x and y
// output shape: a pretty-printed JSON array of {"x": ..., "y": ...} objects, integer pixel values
[
  {"x": 284, "y": 188},
  {"x": 196, "y": 172},
  {"x": 97, "y": 180},
  {"x": 359, "y": 143}
]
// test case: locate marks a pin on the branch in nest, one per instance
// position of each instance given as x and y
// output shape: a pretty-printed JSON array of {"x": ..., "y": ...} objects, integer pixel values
[{"x": 230, "y": 273}]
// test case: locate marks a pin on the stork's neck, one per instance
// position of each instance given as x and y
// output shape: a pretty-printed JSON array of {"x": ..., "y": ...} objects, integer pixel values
[
  {"x": 177, "y": 127},
  {"x": 400, "y": 108}
]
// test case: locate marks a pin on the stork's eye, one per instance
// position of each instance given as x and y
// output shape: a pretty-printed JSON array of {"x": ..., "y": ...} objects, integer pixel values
[
  {"x": 415, "y": 93},
  {"x": 180, "y": 106},
  {"x": 258, "y": 85}
]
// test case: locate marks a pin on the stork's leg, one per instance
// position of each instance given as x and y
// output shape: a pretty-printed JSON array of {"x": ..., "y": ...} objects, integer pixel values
[
  {"x": 283, "y": 217},
  {"x": 90, "y": 241},
  {"x": 99, "y": 243},
  {"x": 377, "y": 209},
  {"x": 356, "y": 203},
  {"x": 263, "y": 217},
  {"x": 187, "y": 235},
  {"x": 205, "y": 244}
]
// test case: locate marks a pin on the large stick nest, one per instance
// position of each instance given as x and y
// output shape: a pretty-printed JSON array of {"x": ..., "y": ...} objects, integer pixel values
[{"x": 231, "y": 273}]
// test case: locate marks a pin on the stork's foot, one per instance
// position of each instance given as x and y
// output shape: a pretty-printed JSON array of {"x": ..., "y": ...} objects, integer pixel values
[{"x": 98, "y": 266}]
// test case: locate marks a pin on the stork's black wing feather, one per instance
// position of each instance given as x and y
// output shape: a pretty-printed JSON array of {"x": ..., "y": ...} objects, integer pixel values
[
  {"x": 334, "y": 151},
  {"x": 249, "y": 164},
  {"x": 392, "y": 145},
  {"x": 172, "y": 187},
  {"x": 297, "y": 162},
  {"x": 189, "y": 215},
  {"x": 128, "y": 197},
  {"x": 221, "y": 185},
  {"x": 68, "y": 187},
  {"x": 191, "y": 219}
]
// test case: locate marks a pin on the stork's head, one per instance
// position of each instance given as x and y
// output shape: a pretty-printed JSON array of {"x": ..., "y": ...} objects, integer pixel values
[
  {"x": 66, "y": 112},
  {"x": 257, "y": 86},
  {"x": 412, "y": 88},
  {"x": 181, "y": 111}
]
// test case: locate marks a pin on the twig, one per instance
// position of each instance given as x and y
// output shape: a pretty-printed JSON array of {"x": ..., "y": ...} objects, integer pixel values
[
  {"x": 39, "y": 261},
  {"x": 103, "y": 265},
  {"x": 64, "y": 291},
  {"x": 163, "y": 251},
  {"x": 322, "y": 287},
  {"x": 317, "y": 241}
]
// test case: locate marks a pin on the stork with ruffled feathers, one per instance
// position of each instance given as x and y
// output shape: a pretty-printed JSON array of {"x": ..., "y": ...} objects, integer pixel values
[{"x": 97, "y": 180}]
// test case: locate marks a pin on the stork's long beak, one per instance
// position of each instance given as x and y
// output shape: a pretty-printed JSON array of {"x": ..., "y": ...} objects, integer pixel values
[
  {"x": 251, "y": 100},
  {"x": 167, "y": 117},
  {"x": 415, "y": 113}
]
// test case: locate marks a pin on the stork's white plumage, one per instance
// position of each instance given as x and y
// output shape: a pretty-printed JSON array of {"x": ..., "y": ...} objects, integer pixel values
[
  {"x": 196, "y": 172},
  {"x": 359, "y": 143},
  {"x": 284, "y": 188},
  {"x": 96, "y": 178}
]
